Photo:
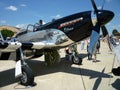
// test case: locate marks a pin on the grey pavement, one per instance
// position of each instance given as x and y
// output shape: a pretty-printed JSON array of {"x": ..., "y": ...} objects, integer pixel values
[{"x": 65, "y": 75}]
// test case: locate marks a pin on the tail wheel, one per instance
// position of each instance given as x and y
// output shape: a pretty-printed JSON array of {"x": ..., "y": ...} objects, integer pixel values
[
  {"x": 77, "y": 60},
  {"x": 27, "y": 77}
]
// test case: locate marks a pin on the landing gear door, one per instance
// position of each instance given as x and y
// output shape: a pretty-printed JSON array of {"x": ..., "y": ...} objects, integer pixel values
[{"x": 18, "y": 69}]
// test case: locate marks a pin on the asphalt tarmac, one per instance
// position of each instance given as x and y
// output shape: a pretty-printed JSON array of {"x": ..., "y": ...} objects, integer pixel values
[{"x": 65, "y": 75}]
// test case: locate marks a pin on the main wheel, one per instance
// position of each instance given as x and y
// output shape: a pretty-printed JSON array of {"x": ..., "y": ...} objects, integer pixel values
[
  {"x": 77, "y": 60},
  {"x": 27, "y": 77}
]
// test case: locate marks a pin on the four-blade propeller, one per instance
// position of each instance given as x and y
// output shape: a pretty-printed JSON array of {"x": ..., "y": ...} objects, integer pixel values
[{"x": 95, "y": 32}]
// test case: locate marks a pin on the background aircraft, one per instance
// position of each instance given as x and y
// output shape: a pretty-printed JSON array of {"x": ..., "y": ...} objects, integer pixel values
[
  {"x": 116, "y": 34},
  {"x": 60, "y": 33}
]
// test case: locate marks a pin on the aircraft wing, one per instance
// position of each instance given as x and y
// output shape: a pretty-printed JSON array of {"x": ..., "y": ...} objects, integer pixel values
[
  {"x": 37, "y": 45},
  {"x": 9, "y": 46}
]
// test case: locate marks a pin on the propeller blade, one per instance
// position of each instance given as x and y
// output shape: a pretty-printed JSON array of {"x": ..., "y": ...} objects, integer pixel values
[
  {"x": 104, "y": 31},
  {"x": 106, "y": 35},
  {"x": 103, "y": 4},
  {"x": 93, "y": 41},
  {"x": 94, "y": 6}
]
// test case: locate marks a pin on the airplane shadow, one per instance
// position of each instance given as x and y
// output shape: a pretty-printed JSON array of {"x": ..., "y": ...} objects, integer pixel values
[
  {"x": 7, "y": 77},
  {"x": 83, "y": 55},
  {"x": 116, "y": 84},
  {"x": 98, "y": 80}
]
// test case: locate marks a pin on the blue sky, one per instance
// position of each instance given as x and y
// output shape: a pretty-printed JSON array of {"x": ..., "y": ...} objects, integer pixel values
[{"x": 22, "y": 12}]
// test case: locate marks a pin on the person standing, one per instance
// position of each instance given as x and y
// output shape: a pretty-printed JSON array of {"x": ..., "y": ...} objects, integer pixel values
[
  {"x": 37, "y": 25},
  {"x": 40, "y": 22},
  {"x": 98, "y": 46},
  {"x": 94, "y": 53},
  {"x": 68, "y": 53},
  {"x": 82, "y": 45},
  {"x": 88, "y": 43}
]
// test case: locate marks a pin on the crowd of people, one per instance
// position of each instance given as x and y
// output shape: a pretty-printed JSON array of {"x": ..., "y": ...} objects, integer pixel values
[{"x": 98, "y": 46}]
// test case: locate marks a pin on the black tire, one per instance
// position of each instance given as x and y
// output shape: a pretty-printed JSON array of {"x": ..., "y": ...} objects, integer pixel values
[
  {"x": 116, "y": 71},
  {"x": 27, "y": 77},
  {"x": 77, "y": 60}
]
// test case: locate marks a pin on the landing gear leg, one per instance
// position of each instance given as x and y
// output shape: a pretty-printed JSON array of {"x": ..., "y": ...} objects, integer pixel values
[
  {"x": 25, "y": 73},
  {"x": 76, "y": 59}
]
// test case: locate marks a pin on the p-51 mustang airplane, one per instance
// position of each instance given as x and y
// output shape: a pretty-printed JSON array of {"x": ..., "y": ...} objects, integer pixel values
[{"x": 57, "y": 34}]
